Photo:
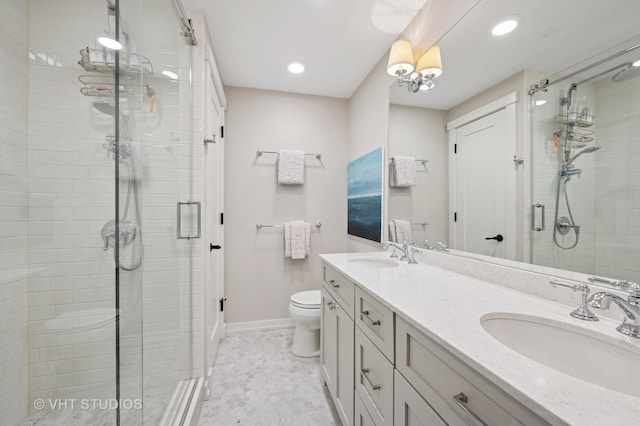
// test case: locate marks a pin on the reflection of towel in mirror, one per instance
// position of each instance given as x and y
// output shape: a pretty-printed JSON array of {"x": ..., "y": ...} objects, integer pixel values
[
  {"x": 296, "y": 239},
  {"x": 403, "y": 230},
  {"x": 291, "y": 167},
  {"x": 403, "y": 171},
  {"x": 393, "y": 236}
]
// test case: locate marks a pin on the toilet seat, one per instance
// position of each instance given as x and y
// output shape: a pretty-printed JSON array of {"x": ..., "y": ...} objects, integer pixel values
[{"x": 307, "y": 299}]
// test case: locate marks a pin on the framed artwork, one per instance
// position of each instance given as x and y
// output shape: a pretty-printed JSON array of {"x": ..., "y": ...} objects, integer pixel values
[{"x": 365, "y": 176}]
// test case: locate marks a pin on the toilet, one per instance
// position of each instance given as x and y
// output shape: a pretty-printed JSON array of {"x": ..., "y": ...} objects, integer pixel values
[{"x": 304, "y": 308}]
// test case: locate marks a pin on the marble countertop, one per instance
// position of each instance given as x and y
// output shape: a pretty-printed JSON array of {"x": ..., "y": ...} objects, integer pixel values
[{"x": 447, "y": 307}]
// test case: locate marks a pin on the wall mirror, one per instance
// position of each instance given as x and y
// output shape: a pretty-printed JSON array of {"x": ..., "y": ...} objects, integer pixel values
[{"x": 580, "y": 147}]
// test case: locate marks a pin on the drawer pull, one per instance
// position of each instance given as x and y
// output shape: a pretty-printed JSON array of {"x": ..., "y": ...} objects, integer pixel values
[
  {"x": 364, "y": 373},
  {"x": 461, "y": 401},
  {"x": 331, "y": 305},
  {"x": 334, "y": 284},
  {"x": 366, "y": 315}
]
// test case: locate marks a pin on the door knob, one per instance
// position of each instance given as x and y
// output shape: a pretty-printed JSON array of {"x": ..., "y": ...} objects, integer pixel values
[{"x": 497, "y": 237}]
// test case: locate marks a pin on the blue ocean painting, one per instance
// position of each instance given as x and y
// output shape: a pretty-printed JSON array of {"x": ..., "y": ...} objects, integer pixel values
[{"x": 364, "y": 195}]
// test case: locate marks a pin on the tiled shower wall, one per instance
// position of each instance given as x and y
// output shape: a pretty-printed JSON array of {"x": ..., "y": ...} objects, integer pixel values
[
  {"x": 617, "y": 206},
  {"x": 72, "y": 197},
  {"x": 14, "y": 71}
]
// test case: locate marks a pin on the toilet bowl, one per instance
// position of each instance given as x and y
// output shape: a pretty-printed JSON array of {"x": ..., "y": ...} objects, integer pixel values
[{"x": 304, "y": 308}]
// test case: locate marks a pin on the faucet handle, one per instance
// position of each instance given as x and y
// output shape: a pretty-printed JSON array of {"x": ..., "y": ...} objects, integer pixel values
[{"x": 582, "y": 312}]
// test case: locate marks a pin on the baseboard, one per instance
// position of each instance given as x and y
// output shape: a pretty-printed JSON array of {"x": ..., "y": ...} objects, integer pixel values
[{"x": 243, "y": 327}]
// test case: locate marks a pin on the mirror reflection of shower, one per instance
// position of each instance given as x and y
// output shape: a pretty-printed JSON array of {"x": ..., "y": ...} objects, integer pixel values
[{"x": 578, "y": 115}]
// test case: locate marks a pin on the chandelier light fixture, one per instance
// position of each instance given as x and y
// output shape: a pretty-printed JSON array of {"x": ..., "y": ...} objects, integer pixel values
[{"x": 418, "y": 75}]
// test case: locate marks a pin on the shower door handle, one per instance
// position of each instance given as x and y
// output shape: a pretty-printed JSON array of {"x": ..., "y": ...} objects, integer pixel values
[
  {"x": 498, "y": 238},
  {"x": 533, "y": 217},
  {"x": 198, "y": 206}
]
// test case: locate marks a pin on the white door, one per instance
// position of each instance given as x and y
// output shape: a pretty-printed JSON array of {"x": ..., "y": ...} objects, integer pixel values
[
  {"x": 483, "y": 186},
  {"x": 214, "y": 244}
]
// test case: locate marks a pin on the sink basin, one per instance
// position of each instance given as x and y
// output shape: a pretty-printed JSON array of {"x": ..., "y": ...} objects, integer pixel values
[
  {"x": 586, "y": 355},
  {"x": 376, "y": 262}
]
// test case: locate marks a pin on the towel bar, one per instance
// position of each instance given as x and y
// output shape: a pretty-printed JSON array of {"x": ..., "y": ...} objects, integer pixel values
[
  {"x": 259, "y": 153},
  {"x": 419, "y": 161},
  {"x": 260, "y": 226}
]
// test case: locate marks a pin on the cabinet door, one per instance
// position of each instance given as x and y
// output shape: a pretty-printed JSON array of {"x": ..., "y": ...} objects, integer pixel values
[
  {"x": 362, "y": 417},
  {"x": 336, "y": 355},
  {"x": 344, "y": 379},
  {"x": 409, "y": 409},
  {"x": 374, "y": 380},
  {"x": 328, "y": 341}
]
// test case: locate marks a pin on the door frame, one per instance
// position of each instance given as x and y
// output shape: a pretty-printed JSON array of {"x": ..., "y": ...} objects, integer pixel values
[{"x": 508, "y": 103}]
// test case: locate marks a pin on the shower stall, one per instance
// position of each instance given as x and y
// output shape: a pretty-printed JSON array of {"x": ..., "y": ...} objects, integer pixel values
[
  {"x": 96, "y": 152},
  {"x": 584, "y": 154}
]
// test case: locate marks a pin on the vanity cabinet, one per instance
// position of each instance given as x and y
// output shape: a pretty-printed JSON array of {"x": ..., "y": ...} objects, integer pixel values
[
  {"x": 409, "y": 408},
  {"x": 458, "y": 394},
  {"x": 336, "y": 354}
]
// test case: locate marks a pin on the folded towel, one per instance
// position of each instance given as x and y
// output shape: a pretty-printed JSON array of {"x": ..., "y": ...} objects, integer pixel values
[
  {"x": 287, "y": 240},
  {"x": 298, "y": 240},
  {"x": 393, "y": 236},
  {"x": 403, "y": 230},
  {"x": 307, "y": 239},
  {"x": 291, "y": 167},
  {"x": 403, "y": 171}
]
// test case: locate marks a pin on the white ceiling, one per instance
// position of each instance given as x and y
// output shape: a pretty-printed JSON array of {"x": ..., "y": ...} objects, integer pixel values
[
  {"x": 554, "y": 37},
  {"x": 339, "y": 41}
]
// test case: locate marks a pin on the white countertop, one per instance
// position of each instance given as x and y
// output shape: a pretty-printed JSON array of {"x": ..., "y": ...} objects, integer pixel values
[{"x": 447, "y": 306}]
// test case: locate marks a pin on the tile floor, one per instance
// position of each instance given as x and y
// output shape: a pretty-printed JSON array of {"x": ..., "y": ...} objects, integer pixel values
[{"x": 258, "y": 382}]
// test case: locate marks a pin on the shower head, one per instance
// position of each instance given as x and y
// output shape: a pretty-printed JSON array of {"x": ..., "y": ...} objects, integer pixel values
[
  {"x": 584, "y": 151},
  {"x": 627, "y": 73}
]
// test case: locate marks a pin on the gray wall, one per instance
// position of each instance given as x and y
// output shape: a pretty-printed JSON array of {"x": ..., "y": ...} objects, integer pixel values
[{"x": 258, "y": 278}]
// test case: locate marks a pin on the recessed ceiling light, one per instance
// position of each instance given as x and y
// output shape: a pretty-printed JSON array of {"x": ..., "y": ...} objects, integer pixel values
[
  {"x": 636, "y": 63},
  {"x": 541, "y": 102},
  {"x": 172, "y": 75},
  {"x": 110, "y": 43},
  {"x": 506, "y": 26},
  {"x": 295, "y": 67}
]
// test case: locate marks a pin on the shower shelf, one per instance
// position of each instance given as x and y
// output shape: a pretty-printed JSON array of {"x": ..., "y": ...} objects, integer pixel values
[
  {"x": 584, "y": 121},
  {"x": 130, "y": 64},
  {"x": 102, "y": 86},
  {"x": 581, "y": 136}
]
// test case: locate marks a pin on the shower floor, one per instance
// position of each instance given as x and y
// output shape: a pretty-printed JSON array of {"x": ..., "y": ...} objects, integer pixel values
[{"x": 258, "y": 382}]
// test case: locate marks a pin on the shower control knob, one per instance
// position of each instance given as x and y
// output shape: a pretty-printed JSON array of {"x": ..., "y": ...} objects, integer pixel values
[{"x": 498, "y": 237}]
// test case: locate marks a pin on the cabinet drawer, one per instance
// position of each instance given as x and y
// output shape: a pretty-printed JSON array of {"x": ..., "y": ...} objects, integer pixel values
[
  {"x": 374, "y": 380},
  {"x": 341, "y": 288},
  {"x": 376, "y": 321},
  {"x": 439, "y": 377},
  {"x": 409, "y": 409},
  {"x": 362, "y": 417}
]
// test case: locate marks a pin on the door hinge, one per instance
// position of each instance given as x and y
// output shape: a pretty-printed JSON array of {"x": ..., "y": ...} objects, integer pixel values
[
  {"x": 212, "y": 140},
  {"x": 221, "y": 218},
  {"x": 222, "y": 304},
  {"x": 222, "y": 131},
  {"x": 455, "y": 216},
  {"x": 455, "y": 148}
]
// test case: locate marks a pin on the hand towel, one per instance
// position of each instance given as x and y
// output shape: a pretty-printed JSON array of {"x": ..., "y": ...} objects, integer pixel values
[
  {"x": 403, "y": 230},
  {"x": 298, "y": 240},
  {"x": 393, "y": 236},
  {"x": 403, "y": 171},
  {"x": 287, "y": 240},
  {"x": 291, "y": 167},
  {"x": 307, "y": 239}
]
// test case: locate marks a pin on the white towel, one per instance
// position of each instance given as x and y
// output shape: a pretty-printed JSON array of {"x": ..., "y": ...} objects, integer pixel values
[
  {"x": 291, "y": 167},
  {"x": 287, "y": 239},
  {"x": 403, "y": 171},
  {"x": 393, "y": 236},
  {"x": 403, "y": 231},
  {"x": 298, "y": 240}
]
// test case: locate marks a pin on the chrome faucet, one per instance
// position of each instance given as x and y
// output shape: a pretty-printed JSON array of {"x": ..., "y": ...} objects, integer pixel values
[
  {"x": 439, "y": 246},
  {"x": 631, "y": 308},
  {"x": 408, "y": 253},
  {"x": 582, "y": 312}
]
